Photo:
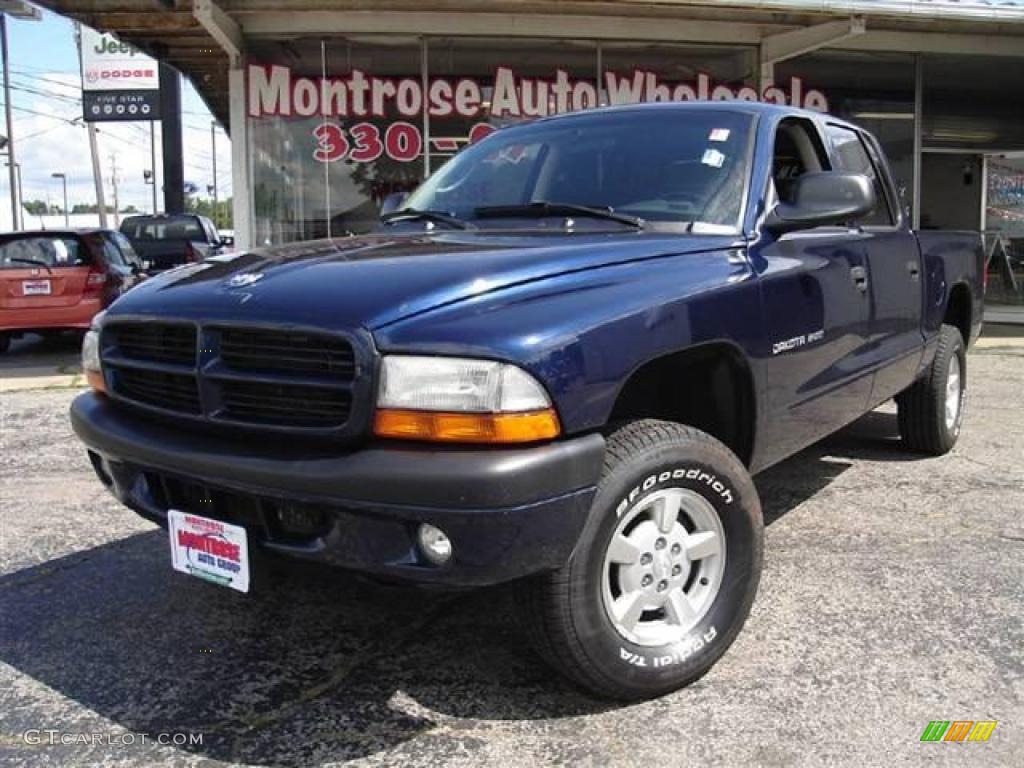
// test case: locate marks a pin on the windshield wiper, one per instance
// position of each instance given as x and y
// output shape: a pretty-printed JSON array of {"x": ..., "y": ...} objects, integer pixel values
[
  {"x": 33, "y": 262},
  {"x": 411, "y": 214},
  {"x": 545, "y": 208}
]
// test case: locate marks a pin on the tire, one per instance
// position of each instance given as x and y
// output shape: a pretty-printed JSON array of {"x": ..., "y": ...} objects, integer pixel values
[
  {"x": 931, "y": 410},
  {"x": 570, "y": 614},
  {"x": 5, "y": 342}
]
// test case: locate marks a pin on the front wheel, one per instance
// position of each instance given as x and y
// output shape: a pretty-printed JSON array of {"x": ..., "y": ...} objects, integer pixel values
[
  {"x": 931, "y": 411},
  {"x": 665, "y": 572}
]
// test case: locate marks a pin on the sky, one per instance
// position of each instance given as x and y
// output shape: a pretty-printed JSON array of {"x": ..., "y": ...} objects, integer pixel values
[{"x": 46, "y": 96}]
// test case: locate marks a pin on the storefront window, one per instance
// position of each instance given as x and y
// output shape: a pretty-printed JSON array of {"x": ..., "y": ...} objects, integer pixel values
[
  {"x": 327, "y": 151},
  {"x": 973, "y": 103},
  {"x": 1004, "y": 235},
  {"x": 650, "y": 72},
  {"x": 337, "y": 125},
  {"x": 872, "y": 90}
]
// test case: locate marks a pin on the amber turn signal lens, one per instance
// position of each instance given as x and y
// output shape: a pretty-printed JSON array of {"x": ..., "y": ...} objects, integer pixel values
[
  {"x": 494, "y": 428},
  {"x": 95, "y": 380}
]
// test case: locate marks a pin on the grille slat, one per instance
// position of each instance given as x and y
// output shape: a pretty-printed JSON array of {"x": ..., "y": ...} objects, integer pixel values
[
  {"x": 156, "y": 342},
  {"x": 177, "y": 392},
  {"x": 254, "y": 377},
  {"x": 285, "y": 403},
  {"x": 286, "y": 351}
]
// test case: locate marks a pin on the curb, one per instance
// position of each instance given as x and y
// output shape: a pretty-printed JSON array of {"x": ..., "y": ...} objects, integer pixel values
[{"x": 32, "y": 383}]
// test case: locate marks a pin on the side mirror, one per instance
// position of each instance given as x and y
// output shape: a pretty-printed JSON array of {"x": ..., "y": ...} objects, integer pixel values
[
  {"x": 828, "y": 197},
  {"x": 392, "y": 203}
]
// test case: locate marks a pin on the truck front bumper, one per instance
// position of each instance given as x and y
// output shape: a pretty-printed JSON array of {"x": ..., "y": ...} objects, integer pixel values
[{"x": 508, "y": 512}]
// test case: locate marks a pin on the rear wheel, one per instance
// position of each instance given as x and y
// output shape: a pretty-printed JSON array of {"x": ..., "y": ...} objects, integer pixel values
[
  {"x": 931, "y": 411},
  {"x": 5, "y": 342},
  {"x": 665, "y": 572}
]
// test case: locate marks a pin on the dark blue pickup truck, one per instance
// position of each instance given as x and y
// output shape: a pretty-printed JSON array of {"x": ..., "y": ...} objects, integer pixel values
[{"x": 558, "y": 362}]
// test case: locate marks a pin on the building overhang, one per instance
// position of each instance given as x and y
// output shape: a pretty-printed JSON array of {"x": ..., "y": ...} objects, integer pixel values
[{"x": 203, "y": 38}]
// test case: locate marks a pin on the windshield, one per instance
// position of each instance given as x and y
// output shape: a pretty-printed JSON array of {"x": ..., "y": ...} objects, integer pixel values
[{"x": 663, "y": 166}]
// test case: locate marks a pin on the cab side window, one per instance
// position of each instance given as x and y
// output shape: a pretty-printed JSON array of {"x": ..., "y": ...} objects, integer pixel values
[
  {"x": 851, "y": 155},
  {"x": 797, "y": 151}
]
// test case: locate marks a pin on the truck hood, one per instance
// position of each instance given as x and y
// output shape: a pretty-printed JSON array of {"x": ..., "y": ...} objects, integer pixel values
[{"x": 374, "y": 280}]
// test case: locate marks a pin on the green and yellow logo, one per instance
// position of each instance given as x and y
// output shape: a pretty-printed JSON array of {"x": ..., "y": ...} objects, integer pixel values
[{"x": 958, "y": 730}]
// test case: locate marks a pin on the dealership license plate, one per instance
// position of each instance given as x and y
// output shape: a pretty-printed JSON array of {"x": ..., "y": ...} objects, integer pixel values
[
  {"x": 35, "y": 288},
  {"x": 209, "y": 549}
]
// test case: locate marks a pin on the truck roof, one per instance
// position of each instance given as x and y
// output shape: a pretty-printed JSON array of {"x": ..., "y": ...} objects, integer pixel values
[{"x": 748, "y": 107}]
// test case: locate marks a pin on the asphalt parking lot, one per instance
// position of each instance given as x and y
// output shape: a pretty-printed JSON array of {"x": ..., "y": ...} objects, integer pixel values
[{"x": 893, "y": 595}]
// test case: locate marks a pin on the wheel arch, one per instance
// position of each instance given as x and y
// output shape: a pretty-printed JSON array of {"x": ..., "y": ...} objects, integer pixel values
[
  {"x": 712, "y": 389},
  {"x": 959, "y": 310}
]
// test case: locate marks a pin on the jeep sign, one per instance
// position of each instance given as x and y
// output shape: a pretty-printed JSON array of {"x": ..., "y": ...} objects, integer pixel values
[{"x": 119, "y": 82}]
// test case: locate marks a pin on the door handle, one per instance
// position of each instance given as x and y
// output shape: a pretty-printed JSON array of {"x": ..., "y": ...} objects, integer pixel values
[
  {"x": 914, "y": 270},
  {"x": 860, "y": 278}
]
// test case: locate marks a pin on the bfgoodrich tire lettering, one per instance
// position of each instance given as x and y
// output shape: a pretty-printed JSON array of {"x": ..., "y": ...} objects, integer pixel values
[{"x": 568, "y": 613}]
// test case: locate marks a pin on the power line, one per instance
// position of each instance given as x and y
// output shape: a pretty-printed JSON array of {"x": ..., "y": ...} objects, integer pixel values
[
  {"x": 45, "y": 114},
  {"x": 36, "y": 92},
  {"x": 28, "y": 76}
]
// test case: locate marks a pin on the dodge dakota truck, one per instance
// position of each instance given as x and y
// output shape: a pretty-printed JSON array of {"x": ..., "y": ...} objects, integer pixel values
[{"x": 556, "y": 364}]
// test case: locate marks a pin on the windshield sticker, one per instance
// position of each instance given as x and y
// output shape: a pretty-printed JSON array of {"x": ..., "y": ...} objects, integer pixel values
[
  {"x": 719, "y": 134},
  {"x": 713, "y": 157}
]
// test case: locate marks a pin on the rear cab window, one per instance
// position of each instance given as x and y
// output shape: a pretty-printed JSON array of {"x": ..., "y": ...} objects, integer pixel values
[
  {"x": 147, "y": 228},
  {"x": 46, "y": 251}
]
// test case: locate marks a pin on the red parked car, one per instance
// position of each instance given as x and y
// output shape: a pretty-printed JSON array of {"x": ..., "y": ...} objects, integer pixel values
[{"x": 57, "y": 280}]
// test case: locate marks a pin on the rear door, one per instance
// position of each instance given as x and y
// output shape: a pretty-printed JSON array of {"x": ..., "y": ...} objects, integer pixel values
[
  {"x": 41, "y": 271},
  {"x": 894, "y": 269}
]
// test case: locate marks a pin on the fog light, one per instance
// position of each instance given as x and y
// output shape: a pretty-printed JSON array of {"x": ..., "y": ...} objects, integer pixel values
[{"x": 434, "y": 544}]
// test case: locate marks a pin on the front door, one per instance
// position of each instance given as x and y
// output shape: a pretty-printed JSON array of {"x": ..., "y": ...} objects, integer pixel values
[{"x": 816, "y": 303}]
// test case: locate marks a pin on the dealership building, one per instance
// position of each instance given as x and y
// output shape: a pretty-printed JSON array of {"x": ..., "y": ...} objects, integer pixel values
[{"x": 331, "y": 106}]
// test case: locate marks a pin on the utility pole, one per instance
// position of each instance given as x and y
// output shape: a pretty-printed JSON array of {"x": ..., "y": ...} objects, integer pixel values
[
  {"x": 12, "y": 161},
  {"x": 152, "y": 160},
  {"x": 113, "y": 184},
  {"x": 97, "y": 174},
  {"x": 21, "y": 197},
  {"x": 213, "y": 145}
]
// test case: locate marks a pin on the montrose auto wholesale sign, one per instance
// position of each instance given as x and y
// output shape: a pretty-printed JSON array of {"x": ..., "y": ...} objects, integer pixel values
[
  {"x": 118, "y": 81},
  {"x": 364, "y": 117}
]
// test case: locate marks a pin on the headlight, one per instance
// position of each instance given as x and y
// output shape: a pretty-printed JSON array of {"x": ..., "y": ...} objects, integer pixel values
[
  {"x": 461, "y": 400},
  {"x": 91, "y": 365}
]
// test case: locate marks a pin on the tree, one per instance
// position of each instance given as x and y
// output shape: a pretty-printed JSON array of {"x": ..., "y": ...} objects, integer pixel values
[
  {"x": 35, "y": 207},
  {"x": 221, "y": 215},
  {"x": 89, "y": 208}
]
